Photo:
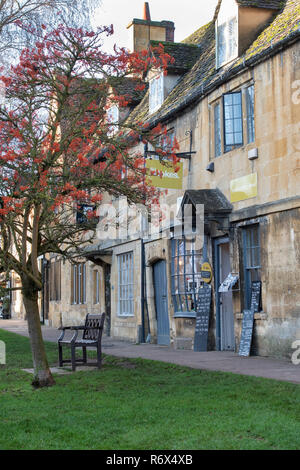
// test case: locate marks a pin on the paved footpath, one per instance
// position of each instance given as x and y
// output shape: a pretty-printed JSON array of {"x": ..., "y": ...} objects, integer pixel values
[{"x": 214, "y": 360}]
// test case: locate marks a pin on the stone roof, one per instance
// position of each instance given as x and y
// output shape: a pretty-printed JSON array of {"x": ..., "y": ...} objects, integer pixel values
[
  {"x": 204, "y": 77},
  {"x": 127, "y": 86},
  {"x": 271, "y": 4},
  {"x": 185, "y": 54},
  {"x": 213, "y": 200}
]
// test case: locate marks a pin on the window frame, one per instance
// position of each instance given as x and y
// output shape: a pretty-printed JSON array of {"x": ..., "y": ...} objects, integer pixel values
[
  {"x": 252, "y": 272},
  {"x": 226, "y": 44},
  {"x": 55, "y": 281},
  {"x": 112, "y": 126},
  {"x": 78, "y": 283},
  {"x": 188, "y": 296},
  {"x": 218, "y": 106},
  {"x": 239, "y": 144},
  {"x": 250, "y": 117},
  {"x": 125, "y": 289},
  {"x": 156, "y": 98}
]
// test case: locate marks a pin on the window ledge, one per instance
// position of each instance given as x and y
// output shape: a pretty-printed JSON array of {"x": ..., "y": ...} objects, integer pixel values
[
  {"x": 257, "y": 316},
  {"x": 125, "y": 315},
  {"x": 184, "y": 315}
]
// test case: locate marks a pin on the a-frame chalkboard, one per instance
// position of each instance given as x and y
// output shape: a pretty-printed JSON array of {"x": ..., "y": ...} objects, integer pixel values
[
  {"x": 248, "y": 319},
  {"x": 202, "y": 318}
]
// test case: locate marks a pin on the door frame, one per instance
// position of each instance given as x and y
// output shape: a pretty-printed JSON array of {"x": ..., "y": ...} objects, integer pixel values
[
  {"x": 161, "y": 260},
  {"x": 216, "y": 245}
]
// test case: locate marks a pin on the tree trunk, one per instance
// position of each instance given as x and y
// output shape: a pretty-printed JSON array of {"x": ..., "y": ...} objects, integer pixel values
[{"x": 42, "y": 373}]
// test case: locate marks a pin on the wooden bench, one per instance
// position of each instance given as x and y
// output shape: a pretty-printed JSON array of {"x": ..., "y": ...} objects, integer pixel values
[{"x": 91, "y": 337}]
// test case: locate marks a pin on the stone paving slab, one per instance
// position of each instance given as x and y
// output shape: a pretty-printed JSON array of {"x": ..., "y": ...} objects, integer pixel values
[{"x": 225, "y": 361}]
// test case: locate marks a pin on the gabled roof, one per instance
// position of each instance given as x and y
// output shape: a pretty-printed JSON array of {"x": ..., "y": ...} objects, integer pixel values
[
  {"x": 128, "y": 87},
  {"x": 213, "y": 200},
  {"x": 184, "y": 54},
  {"x": 204, "y": 77}
]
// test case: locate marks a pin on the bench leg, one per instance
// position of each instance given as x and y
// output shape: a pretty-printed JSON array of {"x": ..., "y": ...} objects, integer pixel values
[
  {"x": 73, "y": 358},
  {"x": 60, "y": 355},
  {"x": 99, "y": 356},
  {"x": 84, "y": 354}
]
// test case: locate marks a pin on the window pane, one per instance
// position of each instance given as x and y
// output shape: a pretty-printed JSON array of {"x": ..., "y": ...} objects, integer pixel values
[
  {"x": 217, "y": 125},
  {"x": 233, "y": 120},
  {"x": 126, "y": 289},
  {"x": 251, "y": 247},
  {"x": 250, "y": 113},
  {"x": 185, "y": 282}
]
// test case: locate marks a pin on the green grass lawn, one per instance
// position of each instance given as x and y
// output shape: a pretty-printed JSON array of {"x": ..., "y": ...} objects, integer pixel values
[{"x": 139, "y": 404}]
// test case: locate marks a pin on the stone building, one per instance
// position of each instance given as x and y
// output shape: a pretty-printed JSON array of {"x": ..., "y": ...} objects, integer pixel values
[{"x": 232, "y": 100}]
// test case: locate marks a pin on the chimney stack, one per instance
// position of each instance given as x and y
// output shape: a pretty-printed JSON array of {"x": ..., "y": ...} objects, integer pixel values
[
  {"x": 146, "y": 30},
  {"x": 147, "y": 15}
]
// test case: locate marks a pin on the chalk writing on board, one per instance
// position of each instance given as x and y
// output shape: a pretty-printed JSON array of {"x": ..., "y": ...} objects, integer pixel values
[
  {"x": 202, "y": 318},
  {"x": 247, "y": 331},
  {"x": 255, "y": 296}
]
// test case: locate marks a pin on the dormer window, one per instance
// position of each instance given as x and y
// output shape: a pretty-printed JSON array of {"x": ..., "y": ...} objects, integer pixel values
[
  {"x": 113, "y": 120},
  {"x": 156, "y": 93},
  {"x": 227, "y": 41}
]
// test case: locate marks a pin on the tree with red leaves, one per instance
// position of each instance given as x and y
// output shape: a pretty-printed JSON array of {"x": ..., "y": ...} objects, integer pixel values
[{"x": 57, "y": 152}]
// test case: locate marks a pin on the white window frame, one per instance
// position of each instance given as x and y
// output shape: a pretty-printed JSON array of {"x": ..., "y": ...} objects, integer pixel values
[
  {"x": 156, "y": 92},
  {"x": 112, "y": 116},
  {"x": 125, "y": 285},
  {"x": 230, "y": 43}
]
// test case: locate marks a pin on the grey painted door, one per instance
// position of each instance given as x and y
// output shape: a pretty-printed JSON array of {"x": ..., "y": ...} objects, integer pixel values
[
  {"x": 224, "y": 306},
  {"x": 161, "y": 302}
]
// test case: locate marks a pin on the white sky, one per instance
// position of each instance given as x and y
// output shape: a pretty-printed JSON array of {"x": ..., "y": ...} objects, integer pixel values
[{"x": 188, "y": 16}]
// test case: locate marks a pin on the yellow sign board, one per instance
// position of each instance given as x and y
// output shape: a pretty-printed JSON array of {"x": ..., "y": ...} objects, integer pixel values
[
  {"x": 206, "y": 272},
  {"x": 164, "y": 175},
  {"x": 243, "y": 188}
]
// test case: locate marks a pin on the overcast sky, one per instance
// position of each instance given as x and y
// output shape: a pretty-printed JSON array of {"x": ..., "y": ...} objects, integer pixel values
[{"x": 188, "y": 16}]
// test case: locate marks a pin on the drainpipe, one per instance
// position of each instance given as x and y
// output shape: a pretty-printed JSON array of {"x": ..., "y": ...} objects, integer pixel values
[{"x": 142, "y": 290}]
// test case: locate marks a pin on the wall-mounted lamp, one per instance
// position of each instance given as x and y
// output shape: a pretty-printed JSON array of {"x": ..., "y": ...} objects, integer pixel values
[{"x": 211, "y": 167}]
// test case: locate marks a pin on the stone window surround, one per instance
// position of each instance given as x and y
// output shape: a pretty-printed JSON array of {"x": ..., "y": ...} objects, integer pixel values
[{"x": 217, "y": 98}]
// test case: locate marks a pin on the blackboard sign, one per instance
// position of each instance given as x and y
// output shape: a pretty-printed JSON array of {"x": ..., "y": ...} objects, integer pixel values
[
  {"x": 202, "y": 318},
  {"x": 256, "y": 296},
  {"x": 247, "y": 331}
]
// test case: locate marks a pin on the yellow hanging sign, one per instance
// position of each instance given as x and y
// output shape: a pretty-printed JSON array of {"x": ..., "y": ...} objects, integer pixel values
[{"x": 164, "y": 176}]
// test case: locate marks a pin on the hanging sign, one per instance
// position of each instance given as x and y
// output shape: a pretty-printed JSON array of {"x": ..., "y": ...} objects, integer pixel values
[
  {"x": 164, "y": 176},
  {"x": 229, "y": 282},
  {"x": 202, "y": 318},
  {"x": 206, "y": 272}
]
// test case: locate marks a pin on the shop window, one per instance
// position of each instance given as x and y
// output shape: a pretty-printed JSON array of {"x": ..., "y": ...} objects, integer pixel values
[
  {"x": 251, "y": 259},
  {"x": 186, "y": 275},
  {"x": 78, "y": 283},
  {"x": 125, "y": 284},
  {"x": 55, "y": 280}
]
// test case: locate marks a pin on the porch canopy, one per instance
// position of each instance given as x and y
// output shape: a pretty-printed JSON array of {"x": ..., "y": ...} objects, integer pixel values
[{"x": 216, "y": 206}]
